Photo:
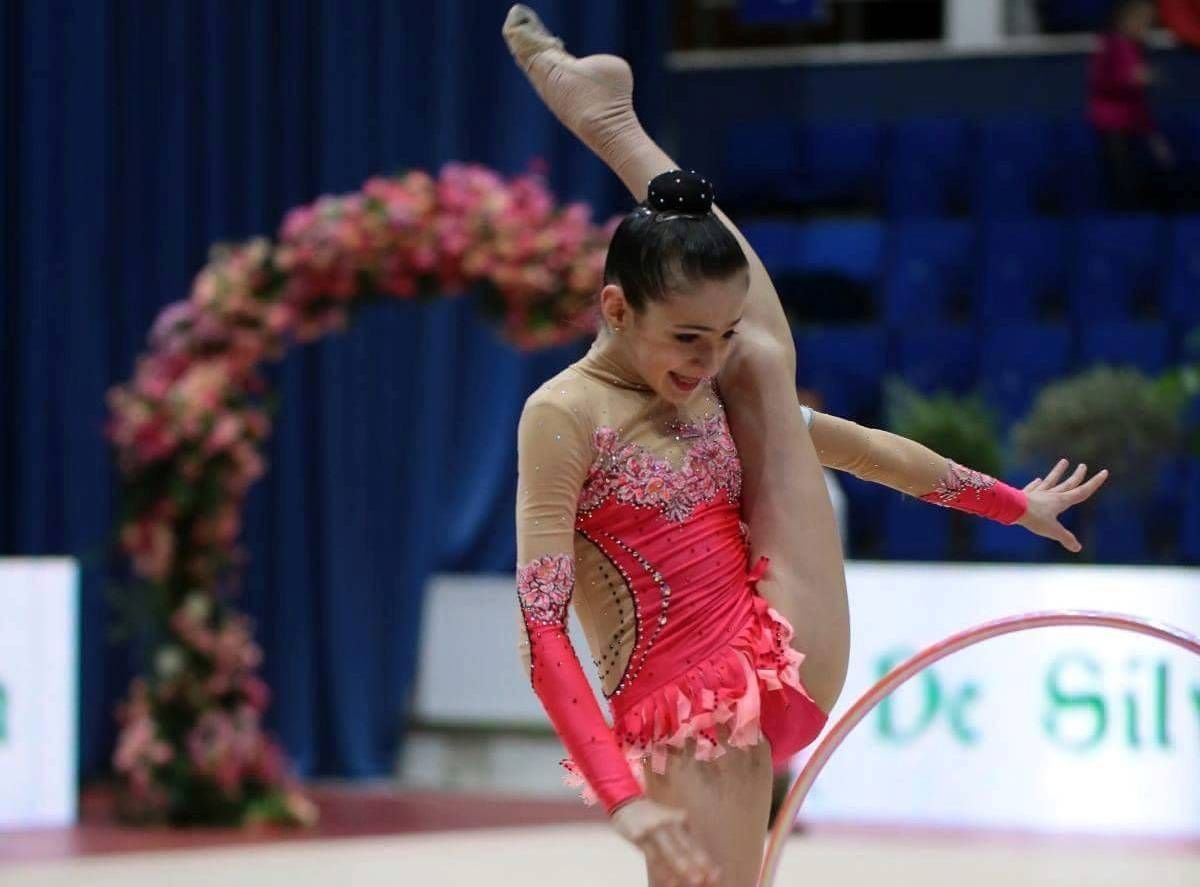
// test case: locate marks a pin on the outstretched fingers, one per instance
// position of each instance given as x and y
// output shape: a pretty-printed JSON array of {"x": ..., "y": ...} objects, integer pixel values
[
  {"x": 1056, "y": 473},
  {"x": 1085, "y": 491},
  {"x": 1074, "y": 480},
  {"x": 1066, "y": 539}
]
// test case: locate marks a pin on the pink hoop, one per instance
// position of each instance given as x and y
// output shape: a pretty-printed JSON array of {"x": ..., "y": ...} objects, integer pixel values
[{"x": 918, "y": 663}]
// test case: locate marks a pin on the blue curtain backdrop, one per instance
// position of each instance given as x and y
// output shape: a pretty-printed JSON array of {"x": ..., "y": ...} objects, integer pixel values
[{"x": 136, "y": 134}]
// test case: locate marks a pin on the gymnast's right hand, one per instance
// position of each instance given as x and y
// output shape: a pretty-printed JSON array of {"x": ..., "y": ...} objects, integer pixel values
[{"x": 672, "y": 854}]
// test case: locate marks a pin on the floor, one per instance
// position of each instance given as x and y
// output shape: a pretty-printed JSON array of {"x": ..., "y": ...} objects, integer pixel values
[{"x": 375, "y": 835}]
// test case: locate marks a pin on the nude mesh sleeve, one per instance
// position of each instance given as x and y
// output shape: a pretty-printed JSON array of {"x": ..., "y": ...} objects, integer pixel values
[
  {"x": 554, "y": 452},
  {"x": 905, "y": 465}
]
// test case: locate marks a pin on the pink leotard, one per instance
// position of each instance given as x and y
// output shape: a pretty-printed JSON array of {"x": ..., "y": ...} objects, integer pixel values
[{"x": 629, "y": 508}]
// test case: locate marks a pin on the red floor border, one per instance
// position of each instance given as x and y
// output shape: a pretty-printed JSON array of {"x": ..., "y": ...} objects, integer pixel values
[{"x": 379, "y": 810}]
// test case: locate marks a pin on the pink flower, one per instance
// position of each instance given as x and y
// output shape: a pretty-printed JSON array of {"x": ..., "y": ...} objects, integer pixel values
[
  {"x": 153, "y": 440},
  {"x": 269, "y": 764},
  {"x": 256, "y": 691},
  {"x": 202, "y": 388},
  {"x": 227, "y": 774},
  {"x": 151, "y": 544},
  {"x": 139, "y": 748},
  {"x": 153, "y": 385},
  {"x": 249, "y": 466},
  {"x": 139, "y": 745},
  {"x": 218, "y": 684},
  {"x": 280, "y": 317},
  {"x": 257, "y": 424},
  {"x": 226, "y": 430},
  {"x": 233, "y": 649},
  {"x": 227, "y": 525},
  {"x": 171, "y": 321},
  {"x": 210, "y": 741},
  {"x": 191, "y": 623}
]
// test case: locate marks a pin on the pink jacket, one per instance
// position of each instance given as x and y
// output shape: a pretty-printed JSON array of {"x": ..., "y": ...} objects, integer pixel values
[{"x": 1116, "y": 101}]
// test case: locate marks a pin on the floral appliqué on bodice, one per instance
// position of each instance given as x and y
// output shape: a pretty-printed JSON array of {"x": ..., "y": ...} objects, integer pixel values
[{"x": 634, "y": 475}]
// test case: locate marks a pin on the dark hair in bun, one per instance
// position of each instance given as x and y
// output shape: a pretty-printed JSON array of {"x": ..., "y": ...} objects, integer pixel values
[
  {"x": 680, "y": 192},
  {"x": 671, "y": 241}
]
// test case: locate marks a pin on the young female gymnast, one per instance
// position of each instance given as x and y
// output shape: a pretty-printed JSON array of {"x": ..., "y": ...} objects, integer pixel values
[{"x": 631, "y": 500}]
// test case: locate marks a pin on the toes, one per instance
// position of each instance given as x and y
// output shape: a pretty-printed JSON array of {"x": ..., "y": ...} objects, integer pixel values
[
  {"x": 526, "y": 36},
  {"x": 519, "y": 15}
]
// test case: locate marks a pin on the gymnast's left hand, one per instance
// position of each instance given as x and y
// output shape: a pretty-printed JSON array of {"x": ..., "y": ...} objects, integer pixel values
[{"x": 1050, "y": 496}]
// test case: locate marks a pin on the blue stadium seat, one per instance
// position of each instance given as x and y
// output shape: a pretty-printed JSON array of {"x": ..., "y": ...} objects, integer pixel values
[
  {"x": 1017, "y": 360},
  {"x": 915, "y": 530},
  {"x": 1165, "y": 510},
  {"x": 1181, "y": 294},
  {"x": 928, "y": 264},
  {"x": 937, "y": 358},
  {"x": 1000, "y": 542},
  {"x": 853, "y": 249},
  {"x": 1059, "y": 16},
  {"x": 845, "y": 365},
  {"x": 825, "y": 272},
  {"x": 839, "y": 164},
  {"x": 777, "y": 244},
  {"x": 1145, "y": 345},
  {"x": 776, "y": 12},
  {"x": 1014, "y": 170},
  {"x": 1023, "y": 270},
  {"x": 865, "y": 505},
  {"x": 1182, "y": 129},
  {"x": 1115, "y": 268},
  {"x": 927, "y": 174},
  {"x": 1078, "y": 181},
  {"x": 759, "y": 156},
  {"x": 1189, "y": 529},
  {"x": 1120, "y": 531},
  {"x": 850, "y": 248}
]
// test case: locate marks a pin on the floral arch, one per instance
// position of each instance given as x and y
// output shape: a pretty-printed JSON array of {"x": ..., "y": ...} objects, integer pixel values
[{"x": 189, "y": 427}]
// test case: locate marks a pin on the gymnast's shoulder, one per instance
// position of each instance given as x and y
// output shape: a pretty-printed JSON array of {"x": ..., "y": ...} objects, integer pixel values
[{"x": 562, "y": 404}]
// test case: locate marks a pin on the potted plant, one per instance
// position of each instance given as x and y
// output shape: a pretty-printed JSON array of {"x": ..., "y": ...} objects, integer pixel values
[
  {"x": 961, "y": 428},
  {"x": 1114, "y": 418}
]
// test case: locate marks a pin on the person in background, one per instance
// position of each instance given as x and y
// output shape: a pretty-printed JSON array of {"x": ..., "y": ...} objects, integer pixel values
[{"x": 1137, "y": 158}]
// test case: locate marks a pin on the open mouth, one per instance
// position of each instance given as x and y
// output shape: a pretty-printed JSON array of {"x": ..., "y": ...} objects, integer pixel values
[{"x": 684, "y": 383}]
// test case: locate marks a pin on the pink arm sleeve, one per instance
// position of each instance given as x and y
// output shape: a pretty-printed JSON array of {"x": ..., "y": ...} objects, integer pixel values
[
  {"x": 974, "y": 492},
  {"x": 554, "y": 453}
]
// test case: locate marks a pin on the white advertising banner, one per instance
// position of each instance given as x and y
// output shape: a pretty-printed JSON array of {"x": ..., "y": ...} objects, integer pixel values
[
  {"x": 39, "y": 642},
  {"x": 469, "y": 669},
  {"x": 1058, "y": 729}
]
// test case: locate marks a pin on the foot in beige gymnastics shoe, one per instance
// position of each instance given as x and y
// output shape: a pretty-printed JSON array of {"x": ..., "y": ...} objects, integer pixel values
[{"x": 592, "y": 96}]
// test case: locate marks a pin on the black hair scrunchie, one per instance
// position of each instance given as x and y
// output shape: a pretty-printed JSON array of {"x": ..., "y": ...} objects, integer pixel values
[{"x": 680, "y": 192}]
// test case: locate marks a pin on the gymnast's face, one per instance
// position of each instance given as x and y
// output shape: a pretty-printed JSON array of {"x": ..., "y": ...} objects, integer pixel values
[{"x": 677, "y": 342}]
